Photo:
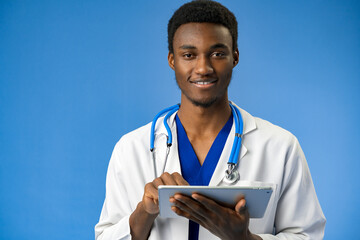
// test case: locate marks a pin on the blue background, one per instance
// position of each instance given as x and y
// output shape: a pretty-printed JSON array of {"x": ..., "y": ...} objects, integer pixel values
[{"x": 77, "y": 75}]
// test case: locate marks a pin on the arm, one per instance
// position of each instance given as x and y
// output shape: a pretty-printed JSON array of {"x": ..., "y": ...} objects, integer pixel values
[
  {"x": 141, "y": 222},
  {"x": 114, "y": 218},
  {"x": 298, "y": 214}
]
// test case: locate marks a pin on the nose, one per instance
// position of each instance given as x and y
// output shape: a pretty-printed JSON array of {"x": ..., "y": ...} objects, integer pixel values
[{"x": 203, "y": 66}]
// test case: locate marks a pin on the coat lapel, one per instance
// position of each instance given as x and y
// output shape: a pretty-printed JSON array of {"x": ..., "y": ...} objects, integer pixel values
[{"x": 249, "y": 125}]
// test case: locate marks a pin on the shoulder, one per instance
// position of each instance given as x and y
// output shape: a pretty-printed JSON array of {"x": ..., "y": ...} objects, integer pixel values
[
  {"x": 263, "y": 131},
  {"x": 131, "y": 149},
  {"x": 138, "y": 137},
  {"x": 271, "y": 130},
  {"x": 274, "y": 147}
]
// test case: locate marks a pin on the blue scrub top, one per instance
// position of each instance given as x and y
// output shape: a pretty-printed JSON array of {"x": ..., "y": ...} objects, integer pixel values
[{"x": 191, "y": 170}]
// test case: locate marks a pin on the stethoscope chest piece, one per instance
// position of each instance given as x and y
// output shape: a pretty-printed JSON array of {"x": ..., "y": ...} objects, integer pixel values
[{"x": 231, "y": 175}]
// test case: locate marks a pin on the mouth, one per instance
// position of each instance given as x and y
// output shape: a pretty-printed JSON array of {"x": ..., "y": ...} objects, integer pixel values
[{"x": 203, "y": 83}]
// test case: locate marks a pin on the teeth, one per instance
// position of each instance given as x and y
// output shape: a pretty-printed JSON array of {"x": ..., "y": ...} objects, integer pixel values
[{"x": 210, "y": 81}]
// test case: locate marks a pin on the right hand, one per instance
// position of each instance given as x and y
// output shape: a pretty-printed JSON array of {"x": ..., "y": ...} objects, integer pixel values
[{"x": 151, "y": 196}]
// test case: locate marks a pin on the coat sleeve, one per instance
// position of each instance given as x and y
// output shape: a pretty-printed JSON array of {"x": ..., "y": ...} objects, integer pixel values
[
  {"x": 298, "y": 214},
  {"x": 114, "y": 219}
]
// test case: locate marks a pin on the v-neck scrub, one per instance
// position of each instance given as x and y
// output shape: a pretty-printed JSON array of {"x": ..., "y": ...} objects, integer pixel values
[{"x": 192, "y": 171}]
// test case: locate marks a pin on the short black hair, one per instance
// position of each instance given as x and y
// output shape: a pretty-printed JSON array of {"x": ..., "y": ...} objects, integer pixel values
[{"x": 202, "y": 11}]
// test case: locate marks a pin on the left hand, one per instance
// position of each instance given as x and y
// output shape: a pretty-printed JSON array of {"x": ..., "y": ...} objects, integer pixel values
[{"x": 224, "y": 222}]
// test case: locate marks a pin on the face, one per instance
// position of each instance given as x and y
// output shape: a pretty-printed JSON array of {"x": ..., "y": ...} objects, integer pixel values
[{"x": 203, "y": 60}]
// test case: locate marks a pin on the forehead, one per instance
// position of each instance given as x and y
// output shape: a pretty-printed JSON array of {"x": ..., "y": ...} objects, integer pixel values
[{"x": 202, "y": 35}]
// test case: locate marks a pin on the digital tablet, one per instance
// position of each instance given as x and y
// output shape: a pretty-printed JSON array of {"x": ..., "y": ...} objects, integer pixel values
[{"x": 257, "y": 198}]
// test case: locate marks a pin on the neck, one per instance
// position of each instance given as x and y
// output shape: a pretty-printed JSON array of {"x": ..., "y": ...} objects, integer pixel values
[{"x": 200, "y": 121}]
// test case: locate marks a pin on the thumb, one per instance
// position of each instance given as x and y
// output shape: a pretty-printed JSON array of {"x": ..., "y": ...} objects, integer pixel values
[{"x": 241, "y": 206}]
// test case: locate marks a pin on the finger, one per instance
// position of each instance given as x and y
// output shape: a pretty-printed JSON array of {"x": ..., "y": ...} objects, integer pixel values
[
  {"x": 179, "y": 179},
  {"x": 208, "y": 203},
  {"x": 184, "y": 210},
  {"x": 157, "y": 182},
  {"x": 167, "y": 179},
  {"x": 151, "y": 191},
  {"x": 241, "y": 206},
  {"x": 187, "y": 215},
  {"x": 193, "y": 207}
]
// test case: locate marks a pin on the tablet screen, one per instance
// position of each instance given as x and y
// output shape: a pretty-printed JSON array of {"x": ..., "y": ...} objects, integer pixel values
[{"x": 257, "y": 198}]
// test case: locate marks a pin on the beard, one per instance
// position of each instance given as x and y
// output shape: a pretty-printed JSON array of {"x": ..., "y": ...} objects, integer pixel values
[{"x": 204, "y": 103}]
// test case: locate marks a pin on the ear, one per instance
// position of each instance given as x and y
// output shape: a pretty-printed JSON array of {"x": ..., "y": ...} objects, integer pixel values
[
  {"x": 236, "y": 57},
  {"x": 171, "y": 60}
]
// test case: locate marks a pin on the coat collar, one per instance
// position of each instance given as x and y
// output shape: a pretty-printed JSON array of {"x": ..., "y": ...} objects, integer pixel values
[
  {"x": 248, "y": 120},
  {"x": 173, "y": 164}
]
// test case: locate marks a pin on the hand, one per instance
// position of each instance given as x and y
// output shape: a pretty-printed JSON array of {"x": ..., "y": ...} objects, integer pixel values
[
  {"x": 224, "y": 222},
  {"x": 142, "y": 219},
  {"x": 151, "y": 197}
]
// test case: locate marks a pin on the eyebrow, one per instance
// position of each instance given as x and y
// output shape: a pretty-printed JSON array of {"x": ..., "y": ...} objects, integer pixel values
[
  {"x": 217, "y": 45},
  {"x": 185, "y": 47}
]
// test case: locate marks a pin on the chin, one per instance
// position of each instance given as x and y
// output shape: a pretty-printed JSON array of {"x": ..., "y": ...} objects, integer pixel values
[{"x": 203, "y": 103}]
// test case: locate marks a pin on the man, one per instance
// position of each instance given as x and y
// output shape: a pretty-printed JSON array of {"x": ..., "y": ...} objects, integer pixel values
[{"x": 202, "y": 37}]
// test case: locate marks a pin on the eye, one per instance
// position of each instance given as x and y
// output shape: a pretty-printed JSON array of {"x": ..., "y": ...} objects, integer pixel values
[
  {"x": 188, "y": 55},
  {"x": 218, "y": 54}
]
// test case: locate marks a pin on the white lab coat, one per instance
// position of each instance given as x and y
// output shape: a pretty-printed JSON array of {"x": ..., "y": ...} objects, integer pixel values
[{"x": 269, "y": 154}]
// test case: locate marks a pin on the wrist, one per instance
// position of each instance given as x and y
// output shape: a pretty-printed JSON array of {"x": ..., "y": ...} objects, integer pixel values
[
  {"x": 140, "y": 222},
  {"x": 141, "y": 208},
  {"x": 253, "y": 236}
]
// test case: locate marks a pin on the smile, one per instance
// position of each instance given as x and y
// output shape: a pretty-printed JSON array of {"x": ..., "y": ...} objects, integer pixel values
[{"x": 203, "y": 83}]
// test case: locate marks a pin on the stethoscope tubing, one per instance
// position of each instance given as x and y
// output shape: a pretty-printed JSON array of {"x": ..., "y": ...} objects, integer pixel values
[
  {"x": 169, "y": 140},
  {"x": 152, "y": 133},
  {"x": 231, "y": 176},
  {"x": 234, "y": 155}
]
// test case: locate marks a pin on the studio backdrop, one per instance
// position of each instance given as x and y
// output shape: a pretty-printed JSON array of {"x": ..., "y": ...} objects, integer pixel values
[{"x": 77, "y": 75}]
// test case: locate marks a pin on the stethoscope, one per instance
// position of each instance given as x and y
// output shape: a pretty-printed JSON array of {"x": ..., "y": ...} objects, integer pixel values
[{"x": 231, "y": 174}]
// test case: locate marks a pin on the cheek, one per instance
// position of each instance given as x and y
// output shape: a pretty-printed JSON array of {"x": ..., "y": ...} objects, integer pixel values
[
  {"x": 182, "y": 71},
  {"x": 225, "y": 70}
]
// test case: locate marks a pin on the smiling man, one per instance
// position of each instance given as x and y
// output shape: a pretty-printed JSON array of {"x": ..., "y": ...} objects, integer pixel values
[{"x": 202, "y": 37}]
